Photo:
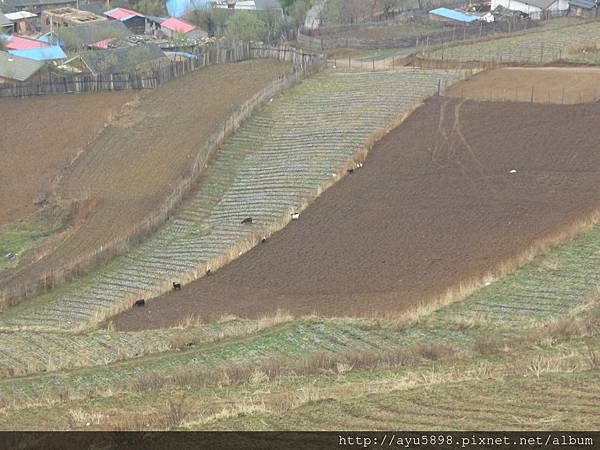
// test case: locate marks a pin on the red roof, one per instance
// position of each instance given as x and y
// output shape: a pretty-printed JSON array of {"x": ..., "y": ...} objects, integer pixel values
[
  {"x": 21, "y": 43},
  {"x": 122, "y": 14},
  {"x": 178, "y": 25},
  {"x": 101, "y": 44}
]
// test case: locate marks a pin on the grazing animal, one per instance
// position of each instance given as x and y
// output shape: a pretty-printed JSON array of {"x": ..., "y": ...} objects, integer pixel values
[
  {"x": 140, "y": 302},
  {"x": 350, "y": 170},
  {"x": 263, "y": 240},
  {"x": 208, "y": 272},
  {"x": 247, "y": 221},
  {"x": 359, "y": 165},
  {"x": 295, "y": 216},
  {"x": 176, "y": 286}
]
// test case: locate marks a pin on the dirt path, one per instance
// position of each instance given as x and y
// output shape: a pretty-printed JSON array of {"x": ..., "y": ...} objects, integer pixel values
[
  {"x": 404, "y": 228},
  {"x": 130, "y": 168}
]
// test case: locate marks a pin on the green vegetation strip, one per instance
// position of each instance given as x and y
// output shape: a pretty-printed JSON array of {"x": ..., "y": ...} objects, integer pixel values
[
  {"x": 534, "y": 47},
  {"x": 272, "y": 165}
]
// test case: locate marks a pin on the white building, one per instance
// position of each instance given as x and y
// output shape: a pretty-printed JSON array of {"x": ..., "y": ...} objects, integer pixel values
[{"x": 536, "y": 9}]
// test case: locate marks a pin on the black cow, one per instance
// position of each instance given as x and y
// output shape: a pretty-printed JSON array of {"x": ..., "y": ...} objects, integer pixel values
[
  {"x": 140, "y": 302},
  {"x": 350, "y": 170},
  {"x": 176, "y": 286},
  {"x": 208, "y": 272},
  {"x": 247, "y": 221},
  {"x": 263, "y": 240}
]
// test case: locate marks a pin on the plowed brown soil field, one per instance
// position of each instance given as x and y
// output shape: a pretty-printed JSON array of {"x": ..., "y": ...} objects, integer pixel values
[
  {"x": 128, "y": 170},
  {"x": 40, "y": 136},
  {"x": 459, "y": 188},
  {"x": 559, "y": 85}
]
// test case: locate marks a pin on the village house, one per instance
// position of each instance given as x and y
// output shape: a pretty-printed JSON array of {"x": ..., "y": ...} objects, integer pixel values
[
  {"x": 35, "y": 6},
  {"x": 6, "y": 25},
  {"x": 583, "y": 8},
  {"x": 535, "y": 9},
  {"x": 89, "y": 34},
  {"x": 173, "y": 26},
  {"x": 16, "y": 68},
  {"x": 68, "y": 17},
  {"x": 24, "y": 22},
  {"x": 452, "y": 16},
  {"x": 133, "y": 20}
]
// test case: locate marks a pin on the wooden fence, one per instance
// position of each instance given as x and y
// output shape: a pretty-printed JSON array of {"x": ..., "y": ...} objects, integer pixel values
[
  {"x": 445, "y": 35},
  {"x": 217, "y": 53},
  {"x": 304, "y": 64}
]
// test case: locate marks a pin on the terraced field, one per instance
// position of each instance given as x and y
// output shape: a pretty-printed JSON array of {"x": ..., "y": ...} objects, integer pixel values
[
  {"x": 557, "y": 284},
  {"x": 32, "y": 352},
  {"x": 269, "y": 168},
  {"x": 534, "y": 47},
  {"x": 514, "y": 403}
]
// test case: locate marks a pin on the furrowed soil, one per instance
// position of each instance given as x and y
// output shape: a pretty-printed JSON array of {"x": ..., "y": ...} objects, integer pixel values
[
  {"x": 568, "y": 85},
  {"x": 458, "y": 190},
  {"x": 37, "y": 144},
  {"x": 129, "y": 169}
]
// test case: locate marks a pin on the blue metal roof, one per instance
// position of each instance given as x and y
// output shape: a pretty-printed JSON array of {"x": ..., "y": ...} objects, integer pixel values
[
  {"x": 453, "y": 14},
  {"x": 586, "y": 4},
  {"x": 41, "y": 54},
  {"x": 50, "y": 39}
]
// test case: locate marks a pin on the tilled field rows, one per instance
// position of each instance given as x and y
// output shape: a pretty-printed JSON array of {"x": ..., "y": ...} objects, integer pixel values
[
  {"x": 289, "y": 341},
  {"x": 533, "y": 47},
  {"x": 265, "y": 171},
  {"x": 27, "y": 352},
  {"x": 555, "y": 284}
]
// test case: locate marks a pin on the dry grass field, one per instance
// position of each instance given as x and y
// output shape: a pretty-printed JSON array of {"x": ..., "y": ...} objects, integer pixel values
[
  {"x": 558, "y": 85},
  {"x": 128, "y": 169},
  {"x": 459, "y": 191}
]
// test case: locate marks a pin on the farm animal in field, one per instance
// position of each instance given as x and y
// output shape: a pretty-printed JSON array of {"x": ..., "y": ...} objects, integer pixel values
[
  {"x": 359, "y": 165},
  {"x": 140, "y": 302},
  {"x": 295, "y": 216},
  {"x": 247, "y": 221},
  {"x": 350, "y": 170},
  {"x": 176, "y": 286},
  {"x": 263, "y": 239},
  {"x": 208, "y": 272}
]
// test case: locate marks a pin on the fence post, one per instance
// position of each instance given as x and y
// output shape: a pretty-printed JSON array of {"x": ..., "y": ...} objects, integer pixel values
[{"x": 532, "y": 94}]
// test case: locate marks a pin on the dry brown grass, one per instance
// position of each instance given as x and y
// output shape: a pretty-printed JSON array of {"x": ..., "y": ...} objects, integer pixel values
[{"x": 486, "y": 344}]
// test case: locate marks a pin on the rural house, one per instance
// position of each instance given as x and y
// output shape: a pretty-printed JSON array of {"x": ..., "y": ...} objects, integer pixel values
[
  {"x": 535, "y": 9},
  {"x": 34, "y": 6},
  {"x": 6, "y": 26},
  {"x": 23, "y": 21},
  {"x": 172, "y": 26},
  {"x": 452, "y": 16},
  {"x": 133, "y": 20},
  {"x": 15, "y": 68},
  {"x": 48, "y": 53},
  {"x": 248, "y": 5},
  {"x": 583, "y": 8},
  {"x": 67, "y": 17},
  {"x": 15, "y": 42},
  {"x": 82, "y": 36}
]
